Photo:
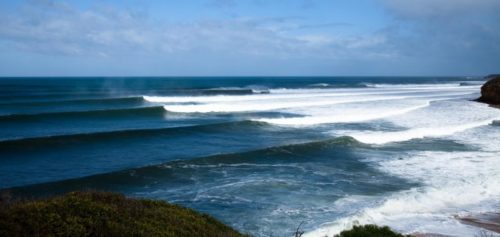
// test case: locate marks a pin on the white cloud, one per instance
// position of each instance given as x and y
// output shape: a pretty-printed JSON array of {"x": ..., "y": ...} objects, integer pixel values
[
  {"x": 422, "y": 33},
  {"x": 440, "y": 8},
  {"x": 458, "y": 36},
  {"x": 61, "y": 29}
]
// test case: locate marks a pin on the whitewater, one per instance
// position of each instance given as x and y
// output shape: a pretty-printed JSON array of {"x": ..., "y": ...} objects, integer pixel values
[{"x": 454, "y": 183}]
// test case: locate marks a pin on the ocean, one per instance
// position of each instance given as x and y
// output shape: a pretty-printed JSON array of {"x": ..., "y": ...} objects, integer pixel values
[{"x": 262, "y": 154}]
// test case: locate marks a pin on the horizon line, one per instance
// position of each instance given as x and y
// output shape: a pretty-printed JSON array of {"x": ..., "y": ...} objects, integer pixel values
[{"x": 249, "y": 76}]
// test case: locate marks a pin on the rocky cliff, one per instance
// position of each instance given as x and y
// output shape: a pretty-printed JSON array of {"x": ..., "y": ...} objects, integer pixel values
[{"x": 490, "y": 91}]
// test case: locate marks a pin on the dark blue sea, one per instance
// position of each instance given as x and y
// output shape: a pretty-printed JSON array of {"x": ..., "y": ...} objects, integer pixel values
[{"x": 262, "y": 154}]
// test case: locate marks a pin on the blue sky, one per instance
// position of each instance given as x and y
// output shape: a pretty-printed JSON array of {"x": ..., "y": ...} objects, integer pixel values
[{"x": 249, "y": 37}]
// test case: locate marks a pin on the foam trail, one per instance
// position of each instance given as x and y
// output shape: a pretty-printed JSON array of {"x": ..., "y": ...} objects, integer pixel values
[
  {"x": 225, "y": 98},
  {"x": 387, "y": 137},
  {"x": 292, "y": 102},
  {"x": 339, "y": 118},
  {"x": 296, "y": 93},
  {"x": 271, "y": 105}
]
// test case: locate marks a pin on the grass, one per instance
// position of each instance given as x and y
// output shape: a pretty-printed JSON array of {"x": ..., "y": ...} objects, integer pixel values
[{"x": 105, "y": 214}]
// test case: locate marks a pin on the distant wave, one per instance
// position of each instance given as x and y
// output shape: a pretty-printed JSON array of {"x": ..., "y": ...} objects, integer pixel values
[
  {"x": 430, "y": 87},
  {"x": 327, "y": 85},
  {"x": 141, "y": 111},
  {"x": 225, "y": 98},
  {"x": 319, "y": 85},
  {"x": 227, "y": 91},
  {"x": 112, "y": 100},
  {"x": 285, "y": 94},
  {"x": 20, "y": 98},
  {"x": 472, "y": 83},
  {"x": 119, "y": 134},
  {"x": 417, "y": 85},
  {"x": 295, "y": 98}
]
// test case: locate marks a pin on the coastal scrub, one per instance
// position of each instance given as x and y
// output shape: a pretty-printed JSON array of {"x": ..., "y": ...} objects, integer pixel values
[
  {"x": 105, "y": 214},
  {"x": 369, "y": 231}
]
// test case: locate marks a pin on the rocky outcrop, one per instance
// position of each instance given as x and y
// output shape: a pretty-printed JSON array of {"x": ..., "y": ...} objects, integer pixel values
[{"x": 490, "y": 91}]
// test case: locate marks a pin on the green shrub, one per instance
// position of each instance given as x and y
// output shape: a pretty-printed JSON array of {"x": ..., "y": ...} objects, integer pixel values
[
  {"x": 369, "y": 231},
  {"x": 105, "y": 214}
]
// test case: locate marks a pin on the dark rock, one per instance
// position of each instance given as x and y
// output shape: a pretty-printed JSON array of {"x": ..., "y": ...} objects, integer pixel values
[{"x": 490, "y": 91}]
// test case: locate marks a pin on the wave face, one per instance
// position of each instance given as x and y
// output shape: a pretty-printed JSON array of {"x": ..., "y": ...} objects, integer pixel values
[{"x": 262, "y": 154}]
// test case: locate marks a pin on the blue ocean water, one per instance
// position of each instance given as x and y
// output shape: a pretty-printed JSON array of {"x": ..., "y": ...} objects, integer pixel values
[{"x": 261, "y": 154}]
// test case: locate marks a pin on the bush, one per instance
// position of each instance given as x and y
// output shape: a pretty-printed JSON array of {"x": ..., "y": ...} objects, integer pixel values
[
  {"x": 369, "y": 231},
  {"x": 105, "y": 214}
]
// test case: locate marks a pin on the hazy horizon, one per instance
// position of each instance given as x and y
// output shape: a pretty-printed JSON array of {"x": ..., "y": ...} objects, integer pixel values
[{"x": 254, "y": 76}]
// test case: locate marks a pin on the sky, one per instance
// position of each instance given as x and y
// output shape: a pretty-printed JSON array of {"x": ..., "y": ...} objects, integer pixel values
[{"x": 249, "y": 38}]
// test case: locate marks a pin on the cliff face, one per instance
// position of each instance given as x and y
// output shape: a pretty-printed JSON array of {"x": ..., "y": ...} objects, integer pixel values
[{"x": 490, "y": 91}]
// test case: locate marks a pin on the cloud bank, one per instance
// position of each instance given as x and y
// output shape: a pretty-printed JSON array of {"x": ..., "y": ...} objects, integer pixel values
[{"x": 422, "y": 38}]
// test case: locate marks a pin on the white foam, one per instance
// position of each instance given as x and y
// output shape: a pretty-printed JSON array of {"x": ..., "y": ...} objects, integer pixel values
[
  {"x": 346, "y": 117},
  {"x": 271, "y": 105},
  {"x": 319, "y": 85},
  {"x": 306, "y": 93},
  {"x": 455, "y": 183},
  {"x": 387, "y": 137},
  {"x": 291, "y": 101},
  {"x": 438, "y": 86},
  {"x": 452, "y": 183},
  {"x": 234, "y": 98},
  {"x": 441, "y": 118}
]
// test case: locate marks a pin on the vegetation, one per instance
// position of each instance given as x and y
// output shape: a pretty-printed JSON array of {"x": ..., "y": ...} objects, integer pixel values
[
  {"x": 105, "y": 214},
  {"x": 369, "y": 231},
  {"x": 110, "y": 214}
]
